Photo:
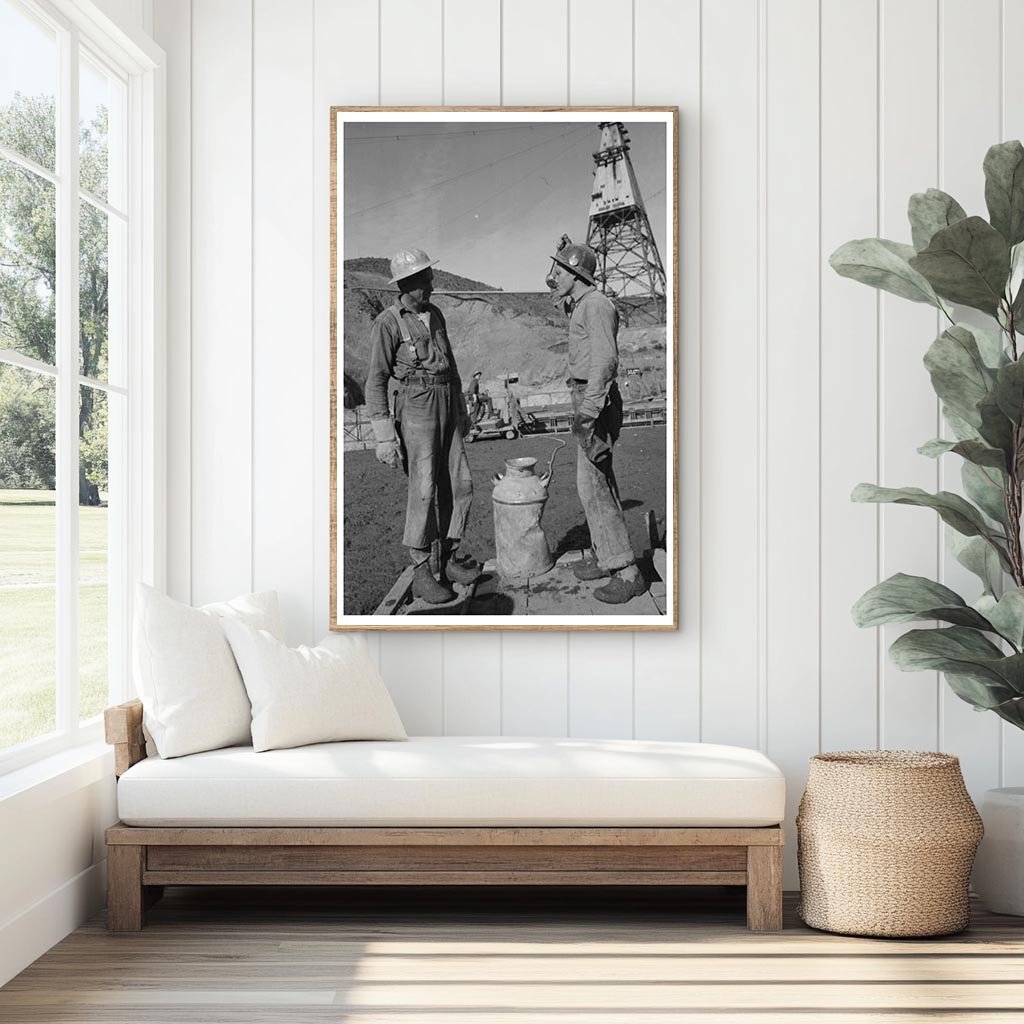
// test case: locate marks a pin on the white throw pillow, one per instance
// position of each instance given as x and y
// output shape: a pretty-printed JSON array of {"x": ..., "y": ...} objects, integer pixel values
[
  {"x": 309, "y": 694},
  {"x": 192, "y": 693}
]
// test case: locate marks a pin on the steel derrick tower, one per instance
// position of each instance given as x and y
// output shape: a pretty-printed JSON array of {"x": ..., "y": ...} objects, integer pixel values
[{"x": 629, "y": 265}]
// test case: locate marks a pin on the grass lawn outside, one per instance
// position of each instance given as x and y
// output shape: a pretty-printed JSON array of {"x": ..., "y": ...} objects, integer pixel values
[{"x": 28, "y": 613}]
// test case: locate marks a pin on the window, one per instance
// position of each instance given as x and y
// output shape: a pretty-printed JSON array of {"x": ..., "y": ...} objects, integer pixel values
[{"x": 77, "y": 257}]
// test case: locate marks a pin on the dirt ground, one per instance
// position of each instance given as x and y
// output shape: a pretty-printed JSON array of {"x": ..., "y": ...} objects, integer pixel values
[{"x": 374, "y": 505}]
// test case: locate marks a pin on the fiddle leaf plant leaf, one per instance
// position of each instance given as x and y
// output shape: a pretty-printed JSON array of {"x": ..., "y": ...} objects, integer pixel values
[
  {"x": 1009, "y": 390},
  {"x": 990, "y": 345},
  {"x": 883, "y": 264},
  {"x": 930, "y": 212},
  {"x": 1006, "y": 614},
  {"x": 903, "y": 598},
  {"x": 962, "y": 430},
  {"x": 977, "y": 452},
  {"x": 964, "y": 652},
  {"x": 958, "y": 372},
  {"x": 985, "y": 487},
  {"x": 996, "y": 428},
  {"x": 967, "y": 263},
  {"x": 952, "y": 509},
  {"x": 980, "y": 692},
  {"x": 977, "y": 556},
  {"x": 1004, "y": 189},
  {"x": 1015, "y": 284}
]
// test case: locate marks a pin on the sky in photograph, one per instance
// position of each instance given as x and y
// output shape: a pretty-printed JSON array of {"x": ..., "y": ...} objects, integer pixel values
[{"x": 489, "y": 200}]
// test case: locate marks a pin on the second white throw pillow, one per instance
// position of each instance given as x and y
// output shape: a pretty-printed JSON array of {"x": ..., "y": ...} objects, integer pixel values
[{"x": 310, "y": 695}]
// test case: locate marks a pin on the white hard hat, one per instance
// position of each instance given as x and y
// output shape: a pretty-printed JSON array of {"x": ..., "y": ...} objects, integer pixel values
[{"x": 407, "y": 262}]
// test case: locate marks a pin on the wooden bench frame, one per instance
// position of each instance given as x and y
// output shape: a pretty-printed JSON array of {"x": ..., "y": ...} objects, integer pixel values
[{"x": 142, "y": 860}]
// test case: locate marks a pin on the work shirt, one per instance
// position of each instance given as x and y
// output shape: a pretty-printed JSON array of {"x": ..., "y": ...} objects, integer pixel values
[
  {"x": 593, "y": 347},
  {"x": 429, "y": 352}
]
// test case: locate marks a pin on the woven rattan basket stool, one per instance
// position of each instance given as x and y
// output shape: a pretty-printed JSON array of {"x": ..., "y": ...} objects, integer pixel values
[{"x": 885, "y": 842}]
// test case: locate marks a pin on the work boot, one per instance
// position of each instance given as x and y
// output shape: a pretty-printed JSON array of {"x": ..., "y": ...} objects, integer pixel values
[
  {"x": 461, "y": 568},
  {"x": 619, "y": 590},
  {"x": 426, "y": 588},
  {"x": 589, "y": 569}
]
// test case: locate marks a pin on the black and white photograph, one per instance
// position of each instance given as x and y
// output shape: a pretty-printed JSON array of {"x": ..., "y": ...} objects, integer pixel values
[{"x": 503, "y": 343}]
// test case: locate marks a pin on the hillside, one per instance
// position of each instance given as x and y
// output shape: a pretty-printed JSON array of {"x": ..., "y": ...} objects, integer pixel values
[{"x": 496, "y": 334}]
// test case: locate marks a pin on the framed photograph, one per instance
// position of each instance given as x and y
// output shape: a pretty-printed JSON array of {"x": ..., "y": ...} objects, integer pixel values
[{"x": 504, "y": 403}]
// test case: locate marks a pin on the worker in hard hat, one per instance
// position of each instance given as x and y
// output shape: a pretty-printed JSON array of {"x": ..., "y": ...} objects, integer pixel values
[
  {"x": 409, "y": 344},
  {"x": 473, "y": 397},
  {"x": 597, "y": 419}
]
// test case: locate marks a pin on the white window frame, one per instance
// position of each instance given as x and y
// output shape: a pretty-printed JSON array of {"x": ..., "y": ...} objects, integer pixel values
[{"x": 141, "y": 64}]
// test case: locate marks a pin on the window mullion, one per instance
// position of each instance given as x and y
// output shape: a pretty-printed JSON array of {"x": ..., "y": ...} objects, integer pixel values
[{"x": 67, "y": 386}]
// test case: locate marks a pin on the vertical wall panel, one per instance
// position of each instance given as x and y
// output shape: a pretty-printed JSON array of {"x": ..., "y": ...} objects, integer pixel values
[
  {"x": 600, "y": 668},
  {"x": 667, "y": 665},
  {"x": 344, "y": 53},
  {"x": 969, "y": 124},
  {"x": 601, "y": 51},
  {"x": 472, "y": 52},
  {"x": 600, "y": 685},
  {"x": 414, "y": 676},
  {"x": 472, "y": 684},
  {"x": 729, "y": 386},
  {"x": 535, "y": 684},
  {"x": 535, "y": 52},
  {"x": 410, "y": 55},
  {"x": 792, "y": 383},
  {"x": 283, "y": 308},
  {"x": 849, "y": 372},
  {"x": 909, "y": 414},
  {"x": 472, "y": 661},
  {"x": 221, "y": 371},
  {"x": 173, "y": 30},
  {"x": 1012, "y": 127}
]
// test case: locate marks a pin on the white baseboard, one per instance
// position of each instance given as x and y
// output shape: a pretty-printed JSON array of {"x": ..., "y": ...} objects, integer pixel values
[{"x": 28, "y": 936}]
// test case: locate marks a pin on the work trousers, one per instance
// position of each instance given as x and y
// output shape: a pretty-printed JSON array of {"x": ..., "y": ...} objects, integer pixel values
[
  {"x": 598, "y": 489},
  {"x": 434, "y": 458}
]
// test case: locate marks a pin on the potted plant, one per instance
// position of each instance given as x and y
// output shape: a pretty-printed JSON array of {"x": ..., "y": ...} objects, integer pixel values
[{"x": 978, "y": 374}]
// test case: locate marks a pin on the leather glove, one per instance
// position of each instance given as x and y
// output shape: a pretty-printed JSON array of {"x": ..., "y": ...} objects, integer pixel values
[{"x": 388, "y": 454}]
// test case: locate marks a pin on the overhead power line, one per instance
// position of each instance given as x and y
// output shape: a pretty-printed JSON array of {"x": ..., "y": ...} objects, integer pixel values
[
  {"x": 442, "y": 135},
  {"x": 457, "y": 177},
  {"x": 528, "y": 174}
]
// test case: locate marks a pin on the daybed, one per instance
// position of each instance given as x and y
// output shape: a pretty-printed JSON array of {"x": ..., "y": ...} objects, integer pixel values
[{"x": 444, "y": 811}]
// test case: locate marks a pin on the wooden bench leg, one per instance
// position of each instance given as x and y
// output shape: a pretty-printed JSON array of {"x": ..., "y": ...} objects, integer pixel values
[
  {"x": 764, "y": 888},
  {"x": 125, "y": 897}
]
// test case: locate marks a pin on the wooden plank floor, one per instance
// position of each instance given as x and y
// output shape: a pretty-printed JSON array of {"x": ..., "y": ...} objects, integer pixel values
[{"x": 264, "y": 956}]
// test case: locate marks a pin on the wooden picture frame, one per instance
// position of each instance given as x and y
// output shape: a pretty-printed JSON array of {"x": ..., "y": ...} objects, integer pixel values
[{"x": 468, "y": 186}]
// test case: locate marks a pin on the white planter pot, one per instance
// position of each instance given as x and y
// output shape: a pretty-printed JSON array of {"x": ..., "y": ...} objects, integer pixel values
[{"x": 999, "y": 866}]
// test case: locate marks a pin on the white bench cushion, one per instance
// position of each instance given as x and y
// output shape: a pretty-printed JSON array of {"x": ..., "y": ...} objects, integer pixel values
[{"x": 459, "y": 780}]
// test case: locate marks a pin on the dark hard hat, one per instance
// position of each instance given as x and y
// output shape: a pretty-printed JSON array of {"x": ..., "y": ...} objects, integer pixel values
[{"x": 580, "y": 260}]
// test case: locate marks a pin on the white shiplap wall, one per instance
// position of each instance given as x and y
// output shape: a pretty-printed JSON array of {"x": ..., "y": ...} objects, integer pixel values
[{"x": 804, "y": 123}]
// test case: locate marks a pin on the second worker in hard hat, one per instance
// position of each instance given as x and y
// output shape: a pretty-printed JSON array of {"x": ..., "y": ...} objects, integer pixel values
[
  {"x": 409, "y": 343},
  {"x": 597, "y": 420}
]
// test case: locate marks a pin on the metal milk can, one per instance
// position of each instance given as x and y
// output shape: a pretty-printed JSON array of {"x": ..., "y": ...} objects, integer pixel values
[{"x": 519, "y": 497}]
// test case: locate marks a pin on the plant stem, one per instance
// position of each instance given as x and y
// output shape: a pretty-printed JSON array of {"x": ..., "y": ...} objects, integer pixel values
[{"x": 1012, "y": 498}]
